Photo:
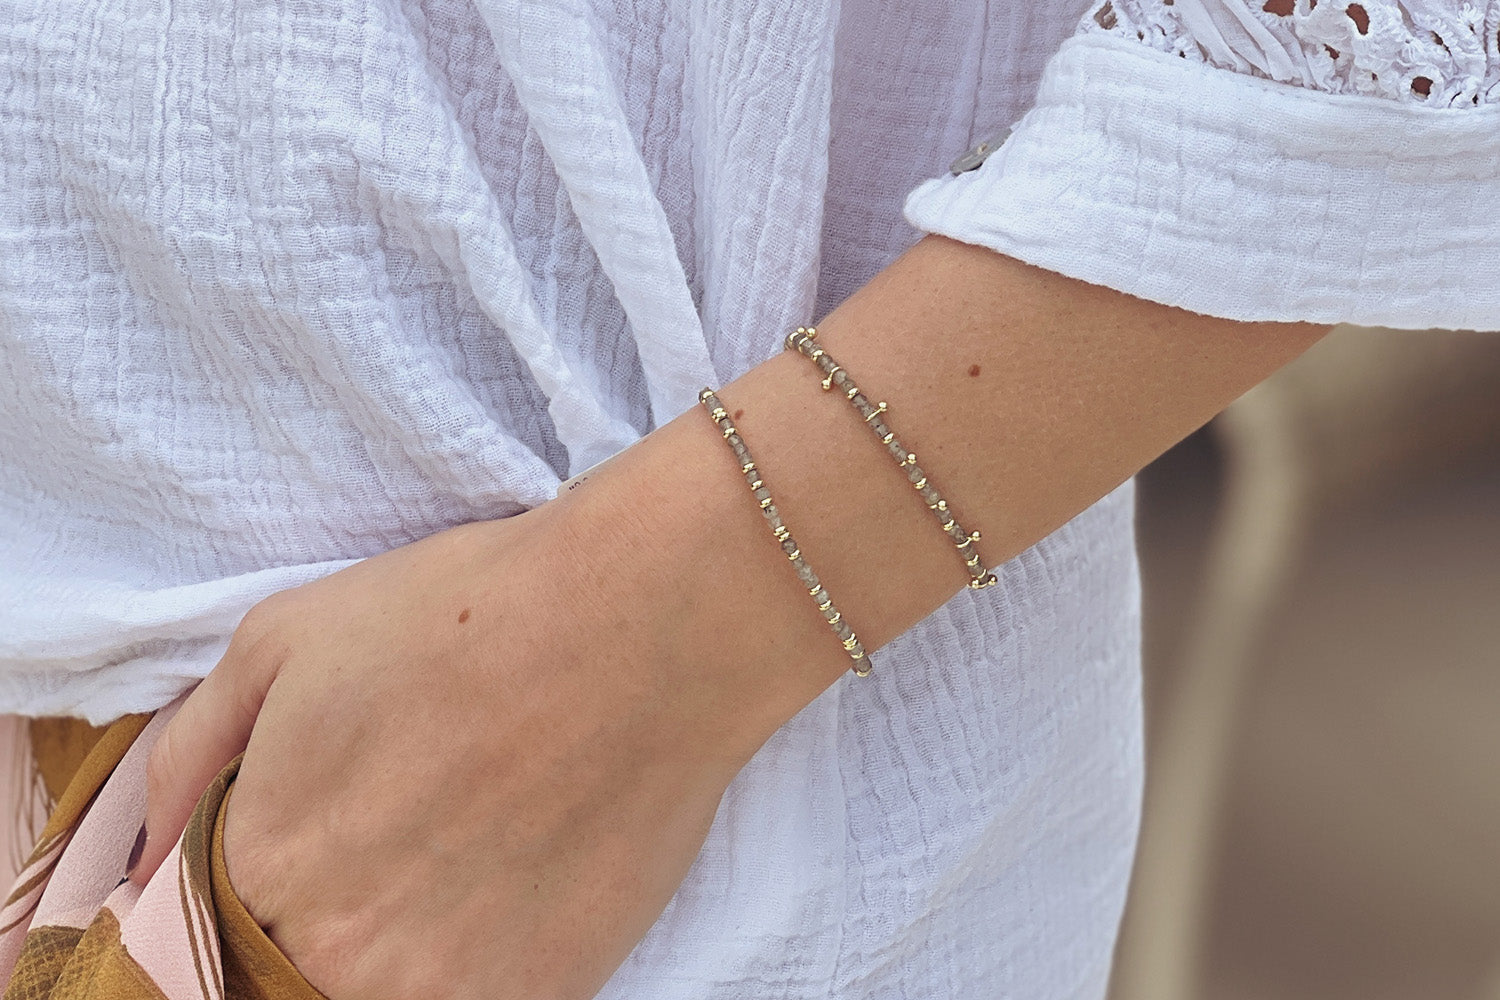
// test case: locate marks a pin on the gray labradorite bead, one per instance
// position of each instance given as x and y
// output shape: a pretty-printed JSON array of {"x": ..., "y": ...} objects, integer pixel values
[
  {"x": 772, "y": 516},
  {"x": 836, "y": 374}
]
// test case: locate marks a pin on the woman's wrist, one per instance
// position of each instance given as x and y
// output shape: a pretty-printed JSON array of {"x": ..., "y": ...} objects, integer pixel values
[
  {"x": 675, "y": 577},
  {"x": 1027, "y": 396}
]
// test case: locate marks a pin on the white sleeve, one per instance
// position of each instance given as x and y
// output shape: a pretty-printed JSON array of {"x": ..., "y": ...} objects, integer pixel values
[{"x": 1263, "y": 160}]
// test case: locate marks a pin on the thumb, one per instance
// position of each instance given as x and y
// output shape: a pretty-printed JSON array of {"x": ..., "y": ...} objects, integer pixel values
[{"x": 210, "y": 729}]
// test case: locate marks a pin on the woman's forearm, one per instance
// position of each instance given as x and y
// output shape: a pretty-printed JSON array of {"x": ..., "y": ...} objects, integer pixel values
[
  {"x": 531, "y": 721},
  {"x": 1026, "y": 395}
]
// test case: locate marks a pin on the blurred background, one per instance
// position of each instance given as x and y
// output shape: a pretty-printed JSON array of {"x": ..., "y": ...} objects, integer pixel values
[{"x": 1322, "y": 593}]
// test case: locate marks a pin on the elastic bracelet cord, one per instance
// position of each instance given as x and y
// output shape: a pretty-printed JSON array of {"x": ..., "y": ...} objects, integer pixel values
[
  {"x": 802, "y": 340},
  {"x": 851, "y": 643}
]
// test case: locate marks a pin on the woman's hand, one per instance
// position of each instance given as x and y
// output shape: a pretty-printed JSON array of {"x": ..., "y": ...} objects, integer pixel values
[{"x": 474, "y": 767}]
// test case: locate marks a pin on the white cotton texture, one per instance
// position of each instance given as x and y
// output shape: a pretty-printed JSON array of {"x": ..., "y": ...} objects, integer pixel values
[{"x": 285, "y": 285}]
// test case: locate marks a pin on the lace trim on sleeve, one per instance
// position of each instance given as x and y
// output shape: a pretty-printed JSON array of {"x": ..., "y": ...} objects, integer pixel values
[{"x": 1441, "y": 53}]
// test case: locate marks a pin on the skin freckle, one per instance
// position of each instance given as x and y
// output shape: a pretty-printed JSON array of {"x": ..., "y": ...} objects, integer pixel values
[
  {"x": 463, "y": 616},
  {"x": 738, "y": 414},
  {"x": 974, "y": 370}
]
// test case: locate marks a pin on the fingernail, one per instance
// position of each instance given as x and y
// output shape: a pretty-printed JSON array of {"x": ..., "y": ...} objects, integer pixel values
[{"x": 135, "y": 852}]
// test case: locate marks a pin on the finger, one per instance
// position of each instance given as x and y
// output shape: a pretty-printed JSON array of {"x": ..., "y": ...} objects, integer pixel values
[{"x": 213, "y": 726}]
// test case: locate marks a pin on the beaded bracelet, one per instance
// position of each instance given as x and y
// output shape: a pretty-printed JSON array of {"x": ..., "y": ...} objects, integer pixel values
[
  {"x": 852, "y": 645},
  {"x": 802, "y": 340}
]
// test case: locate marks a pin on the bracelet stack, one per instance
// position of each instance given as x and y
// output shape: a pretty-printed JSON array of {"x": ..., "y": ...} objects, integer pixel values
[{"x": 803, "y": 341}]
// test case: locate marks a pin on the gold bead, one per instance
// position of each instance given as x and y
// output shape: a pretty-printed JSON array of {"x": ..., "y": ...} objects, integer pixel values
[
  {"x": 794, "y": 554},
  {"x": 851, "y": 643},
  {"x": 765, "y": 503},
  {"x": 851, "y": 392},
  {"x": 838, "y": 616},
  {"x": 911, "y": 458},
  {"x": 705, "y": 395},
  {"x": 919, "y": 483},
  {"x": 888, "y": 438},
  {"x": 974, "y": 535}
]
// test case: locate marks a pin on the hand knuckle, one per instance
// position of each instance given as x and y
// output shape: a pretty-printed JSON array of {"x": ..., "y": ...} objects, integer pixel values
[
  {"x": 263, "y": 618},
  {"x": 159, "y": 768},
  {"x": 261, "y": 634}
]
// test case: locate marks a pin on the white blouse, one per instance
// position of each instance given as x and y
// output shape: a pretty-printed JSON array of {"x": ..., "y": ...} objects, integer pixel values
[{"x": 286, "y": 285}]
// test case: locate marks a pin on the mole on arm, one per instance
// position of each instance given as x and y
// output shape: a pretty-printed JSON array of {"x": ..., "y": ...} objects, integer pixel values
[
  {"x": 973, "y": 370},
  {"x": 463, "y": 616}
]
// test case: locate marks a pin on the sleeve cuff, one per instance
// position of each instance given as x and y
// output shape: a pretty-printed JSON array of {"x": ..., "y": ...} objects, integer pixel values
[{"x": 1239, "y": 197}]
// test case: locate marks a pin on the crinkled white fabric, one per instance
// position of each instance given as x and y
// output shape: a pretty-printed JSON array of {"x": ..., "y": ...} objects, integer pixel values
[
  {"x": 1439, "y": 53},
  {"x": 1235, "y": 196},
  {"x": 286, "y": 285},
  {"x": 292, "y": 287}
]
